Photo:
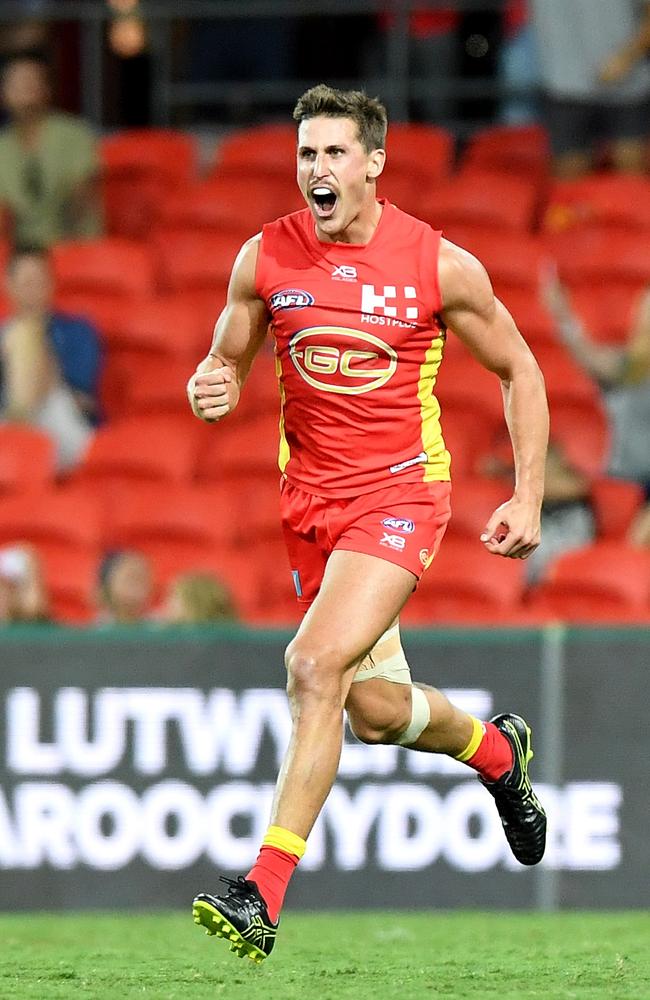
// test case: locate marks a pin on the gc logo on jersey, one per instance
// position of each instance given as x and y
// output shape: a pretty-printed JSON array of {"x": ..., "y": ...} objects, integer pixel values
[
  {"x": 290, "y": 298},
  {"x": 335, "y": 359}
]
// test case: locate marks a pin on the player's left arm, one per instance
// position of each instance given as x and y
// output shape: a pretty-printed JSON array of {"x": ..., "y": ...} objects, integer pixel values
[{"x": 471, "y": 311}]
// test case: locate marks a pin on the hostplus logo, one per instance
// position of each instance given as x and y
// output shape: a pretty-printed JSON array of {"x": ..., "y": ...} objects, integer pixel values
[{"x": 381, "y": 306}]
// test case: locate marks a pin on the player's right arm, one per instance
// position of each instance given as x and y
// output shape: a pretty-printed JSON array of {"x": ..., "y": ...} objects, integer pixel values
[{"x": 214, "y": 388}]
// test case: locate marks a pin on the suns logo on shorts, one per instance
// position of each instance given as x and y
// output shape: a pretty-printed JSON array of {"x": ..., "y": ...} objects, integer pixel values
[
  {"x": 336, "y": 359},
  {"x": 290, "y": 298}
]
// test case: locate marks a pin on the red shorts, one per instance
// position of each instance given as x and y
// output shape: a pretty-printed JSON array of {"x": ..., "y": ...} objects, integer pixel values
[{"x": 401, "y": 523}]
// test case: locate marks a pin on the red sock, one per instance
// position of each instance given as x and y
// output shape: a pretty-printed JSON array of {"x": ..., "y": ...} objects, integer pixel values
[
  {"x": 493, "y": 757},
  {"x": 272, "y": 872}
]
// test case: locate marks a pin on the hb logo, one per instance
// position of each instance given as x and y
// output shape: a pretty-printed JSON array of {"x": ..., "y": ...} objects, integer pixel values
[{"x": 374, "y": 301}]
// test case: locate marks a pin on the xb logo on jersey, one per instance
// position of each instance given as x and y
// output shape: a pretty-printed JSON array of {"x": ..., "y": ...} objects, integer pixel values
[{"x": 339, "y": 360}]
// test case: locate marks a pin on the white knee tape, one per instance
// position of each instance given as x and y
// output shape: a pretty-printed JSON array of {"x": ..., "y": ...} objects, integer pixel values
[
  {"x": 420, "y": 717},
  {"x": 386, "y": 660}
]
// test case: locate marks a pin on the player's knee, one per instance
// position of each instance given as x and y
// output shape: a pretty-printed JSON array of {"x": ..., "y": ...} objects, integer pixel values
[{"x": 311, "y": 674}]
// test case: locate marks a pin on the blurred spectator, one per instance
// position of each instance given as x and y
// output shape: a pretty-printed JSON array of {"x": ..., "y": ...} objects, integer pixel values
[
  {"x": 27, "y": 34},
  {"x": 639, "y": 533},
  {"x": 595, "y": 79},
  {"x": 23, "y": 596},
  {"x": 567, "y": 517},
  {"x": 434, "y": 57},
  {"x": 623, "y": 373},
  {"x": 518, "y": 66},
  {"x": 198, "y": 599},
  {"x": 48, "y": 161},
  {"x": 49, "y": 361},
  {"x": 125, "y": 593}
]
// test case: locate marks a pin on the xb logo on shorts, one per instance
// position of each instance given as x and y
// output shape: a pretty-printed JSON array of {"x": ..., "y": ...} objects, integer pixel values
[{"x": 333, "y": 359}]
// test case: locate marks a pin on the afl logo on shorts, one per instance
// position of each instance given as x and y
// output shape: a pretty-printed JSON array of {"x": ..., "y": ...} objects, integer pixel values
[
  {"x": 290, "y": 298},
  {"x": 336, "y": 359},
  {"x": 399, "y": 524}
]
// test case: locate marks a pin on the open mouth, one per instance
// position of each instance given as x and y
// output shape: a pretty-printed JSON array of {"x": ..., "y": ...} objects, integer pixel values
[{"x": 324, "y": 201}]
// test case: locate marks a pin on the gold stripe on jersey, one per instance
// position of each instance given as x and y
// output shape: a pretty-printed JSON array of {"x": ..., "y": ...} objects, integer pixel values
[
  {"x": 284, "y": 453},
  {"x": 437, "y": 467}
]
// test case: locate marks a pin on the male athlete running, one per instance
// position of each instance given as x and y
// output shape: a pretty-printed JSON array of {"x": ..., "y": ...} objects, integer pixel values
[{"x": 360, "y": 297}]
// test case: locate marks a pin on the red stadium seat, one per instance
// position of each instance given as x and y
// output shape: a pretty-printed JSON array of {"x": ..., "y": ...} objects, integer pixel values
[
  {"x": 71, "y": 582},
  {"x": 513, "y": 259},
  {"x": 581, "y": 428},
  {"x": 155, "y": 387},
  {"x": 403, "y": 190},
  {"x": 262, "y": 150},
  {"x": 53, "y": 520},
  {"x": 467, "y": 439},
  {"x": 481, "y": 199},
  {"x": 191, "y": 260},
  {"x": 272, "y": 600},
  {"x": 464, "y": 384},
  {"x": 533, "y": 320},
  {"x": 464, "y": 583},
  {"x": 243, "y": 450},
  {"x": 27, "y": 459},
  {"x": 518, "y": 149},
  {"x": 601, "y": 255},
  {"x": 140, "y": 168},
  {"x": 473, "y": 501},
  {"x": 615, "y": 504},
  {"x": 162, "y": 325},
  {"x": 182, "y": 517},
  {"x": 566, "y": 381},
  {"x": 606, "y": 311},
  {"x": 425, "y": 152},
  {"x": 227, "y": 203},
  {"x": 154, "y": 449},
  {"x": 620, "y": 200},
  {"x": 108, "y": 267},
  {"x": 161, "y": 151},
  {"x": 261, "y": 502},
  {"x": 601, "y": 582}
]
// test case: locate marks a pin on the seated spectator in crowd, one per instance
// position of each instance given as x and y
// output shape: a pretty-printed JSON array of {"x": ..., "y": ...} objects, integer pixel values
[
  {"x": 125, "y": 593},
  {"x": 23, "y": 597},
  {"x": 639, "y": 533},
  {"x": 595, "y": 79},
  {"x": 624, "y": 374},
  {"x": 567, "y": 517},
  {"x": 198, "y": 599},
  {"x": 49, "y": 361},
  {"x": 48, "y": 161}
]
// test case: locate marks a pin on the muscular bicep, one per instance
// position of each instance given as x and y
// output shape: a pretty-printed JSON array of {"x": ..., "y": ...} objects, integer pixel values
[
  {"x": 242, "y": 326},
  {"x": 471, "y": 311}
]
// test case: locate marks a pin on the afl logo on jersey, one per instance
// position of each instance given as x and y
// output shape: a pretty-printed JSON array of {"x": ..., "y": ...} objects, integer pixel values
[
  {"x": 336, "y": 359},
  {"x": 290, "y": 298}
]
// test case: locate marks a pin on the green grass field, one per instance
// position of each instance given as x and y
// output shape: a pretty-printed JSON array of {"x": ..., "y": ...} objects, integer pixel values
[{"x": 363, "y": 956}]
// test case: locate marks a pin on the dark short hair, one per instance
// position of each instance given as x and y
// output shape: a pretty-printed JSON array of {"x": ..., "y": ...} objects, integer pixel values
[
  {"x": 27, "y": 55},
  {"x": 21, "y": 251},
  {"x": 368, "y": 112}
]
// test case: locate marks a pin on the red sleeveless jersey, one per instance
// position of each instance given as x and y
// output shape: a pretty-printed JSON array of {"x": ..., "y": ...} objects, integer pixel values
[{"x": 358, "y": 345}]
